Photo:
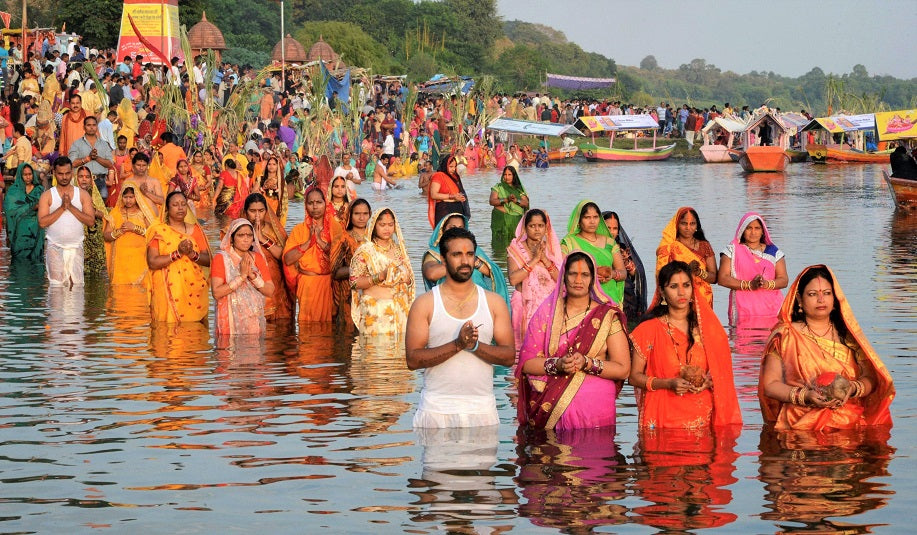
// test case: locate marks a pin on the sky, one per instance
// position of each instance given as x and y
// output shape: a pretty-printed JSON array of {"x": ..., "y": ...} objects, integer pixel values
[{"x": 786, "y": 37}]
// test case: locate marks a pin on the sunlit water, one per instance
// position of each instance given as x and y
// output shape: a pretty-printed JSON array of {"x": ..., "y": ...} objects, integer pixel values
[{"x": 107, "y": 424}]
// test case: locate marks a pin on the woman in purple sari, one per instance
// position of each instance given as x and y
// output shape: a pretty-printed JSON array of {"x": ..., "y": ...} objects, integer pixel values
[{"x": 575, "y": 354}]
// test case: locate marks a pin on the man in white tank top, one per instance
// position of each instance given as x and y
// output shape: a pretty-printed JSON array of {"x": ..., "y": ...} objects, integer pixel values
[
  {"x": 64, "y": 210},
  {"x": 456, "y": 333}
]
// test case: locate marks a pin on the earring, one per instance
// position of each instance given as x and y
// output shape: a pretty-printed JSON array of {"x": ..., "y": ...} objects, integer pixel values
[{"x": 663, "y": 301}]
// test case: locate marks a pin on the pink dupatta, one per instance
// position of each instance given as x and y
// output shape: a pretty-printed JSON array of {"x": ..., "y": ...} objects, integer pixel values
[
  {"x": 539, "y": 283},
  {"x": 746, "y": 264}
]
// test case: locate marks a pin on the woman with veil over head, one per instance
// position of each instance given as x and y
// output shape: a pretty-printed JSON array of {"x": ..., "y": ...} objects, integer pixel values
[
  {"x": 635, "y": 289},
  {"x": 575, "y": 356},
  {"x": 487, "y": 274}
]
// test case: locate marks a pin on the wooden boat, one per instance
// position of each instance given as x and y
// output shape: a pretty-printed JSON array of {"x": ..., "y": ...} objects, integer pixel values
[
  {"x": 797, "y": 156},
  {"x": 720, "y": 136},
  {"x": 622, "y": 123},
  {"x": 594, "y": 153},
  {"x": 845, "y": 154},
  {"x": 903, "y": 192},
  {"x": 764, "y": 159},
  {"x": 562, "y": 154},
  {"x": 764, "y": 127}
]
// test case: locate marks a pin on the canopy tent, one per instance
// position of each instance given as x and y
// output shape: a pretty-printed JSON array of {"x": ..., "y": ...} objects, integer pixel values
[
  {"x": 516, "y": 126},
  {"x": 611, "y": 123},
  {"x": 792, "y": 121},
  {"x": 843, "y": 123},
  {"x": 577, "y": 82},
  {"x": 730, "y": 125},
  {"x": 901, "y": 124}
]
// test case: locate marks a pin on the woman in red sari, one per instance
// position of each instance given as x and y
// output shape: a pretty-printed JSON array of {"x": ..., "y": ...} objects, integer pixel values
[
  {"x": 447, "y": 194},
  {"x": 575, "y": 354},
  {"x": 683, "y": 239},
  {"x": 681, "y": 365},
  {"x": 271, "y": 238},
  {"x": 819, "y": 370}
]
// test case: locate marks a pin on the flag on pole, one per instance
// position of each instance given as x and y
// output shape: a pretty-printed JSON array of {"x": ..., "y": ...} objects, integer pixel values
[{"x": 6, "y": 18}]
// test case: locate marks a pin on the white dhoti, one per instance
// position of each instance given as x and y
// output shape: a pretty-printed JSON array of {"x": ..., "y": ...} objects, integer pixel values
[{"x": 64, "y": 265}]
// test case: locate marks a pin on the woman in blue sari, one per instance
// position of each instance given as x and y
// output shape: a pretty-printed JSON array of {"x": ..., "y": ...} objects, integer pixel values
[
  {"x": 487, "y": 274},
  {"x": 26, "y": 238}
]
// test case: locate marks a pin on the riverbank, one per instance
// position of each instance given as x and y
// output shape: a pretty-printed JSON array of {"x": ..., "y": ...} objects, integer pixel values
[{"x": 681, "y": 152}]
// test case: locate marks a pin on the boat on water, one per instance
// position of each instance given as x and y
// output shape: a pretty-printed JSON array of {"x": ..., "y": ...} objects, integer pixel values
[
  {"x": 563, "y": 154},
  {"x": 543, "y": 130},
  {"x": 720, "y": 136},
  {"x": 903, "y": 192},
  {"x": 765, "y": 139},
  {"x": 900, "y": 126},
  {"x": 630, "y": 124},
  {"x": 844, "y": 139}
]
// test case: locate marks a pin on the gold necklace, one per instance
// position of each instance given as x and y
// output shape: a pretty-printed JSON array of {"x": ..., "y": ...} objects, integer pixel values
[
  {"x": 813, "y": 334},
  {"x": 464, "y": 301},
  {"x": 668, "y": 330}
]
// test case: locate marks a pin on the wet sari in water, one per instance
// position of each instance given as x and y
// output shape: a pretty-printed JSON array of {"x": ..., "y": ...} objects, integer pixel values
[
  {"x": 27, "y": 239},
  {"x": 665, "y": 350},
  {"x": 572, "y": 401},
  {"x": 746, "y": 264},
  {"x": 671, "y": 249},
  {"x": 538, "y": 284},
  {"x": 180, "y": 291},
  {"x": 310, "y": 276},
  {"x": 806, "y": 356},
  {"x": 127, "y": 254},
  {"x": 503, "y": 223},
  {"x": 374, "y": 315},
  {"x": 604, "y": 256},
  {"x": 241, "y": 312}
]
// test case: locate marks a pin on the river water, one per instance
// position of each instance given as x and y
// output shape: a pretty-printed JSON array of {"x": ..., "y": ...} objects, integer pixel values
[{"x": 109, "y": 424}]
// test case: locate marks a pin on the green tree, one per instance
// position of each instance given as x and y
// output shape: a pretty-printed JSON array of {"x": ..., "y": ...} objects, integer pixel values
[
  {"x": 98, "y": 21},
  {"x": 480, "y": 27},
  {"x": 354, "y": 45},
  {"x": 649, "y": 63}
]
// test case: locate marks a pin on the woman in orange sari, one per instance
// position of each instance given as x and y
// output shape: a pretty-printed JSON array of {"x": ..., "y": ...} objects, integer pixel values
[
  {"x": 338, "y": 200},
  {"x": 271, "y": 238},
  {"x": 202, "y": 173},
  {"x": 270, "y": 184},
  {"x": 819, "y": 370},
  {"x": 178, "y": 256},
  {"x": 683, "y": 239},
  {"x": 356, "y": 221},
  {"x": 681, "y": 365},
  {"x": 307, "y": 258}
]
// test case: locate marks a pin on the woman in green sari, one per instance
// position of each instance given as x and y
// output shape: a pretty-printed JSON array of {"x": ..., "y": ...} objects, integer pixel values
[
  {"x": 586, "y": 231},
  {"x": 26, "y": 238},
  {"x": 510, "y": 201}
]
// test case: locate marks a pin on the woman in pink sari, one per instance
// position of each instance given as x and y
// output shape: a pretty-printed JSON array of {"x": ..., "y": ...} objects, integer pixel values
[
  {"x": 754, "y": 269},
  {"x": 575, "y": 354},
  {"x": 533, "y": 260},
  {"x": 500, "y": 156}
]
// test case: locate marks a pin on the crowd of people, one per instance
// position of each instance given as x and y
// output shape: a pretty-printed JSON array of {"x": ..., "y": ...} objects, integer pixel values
[{"x": 576, "y": 324}]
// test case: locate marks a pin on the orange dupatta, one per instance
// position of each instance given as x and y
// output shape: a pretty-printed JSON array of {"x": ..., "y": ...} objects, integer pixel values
[
  {"x": 803, "y": 360},
  {"x": 671, "y": 249}
]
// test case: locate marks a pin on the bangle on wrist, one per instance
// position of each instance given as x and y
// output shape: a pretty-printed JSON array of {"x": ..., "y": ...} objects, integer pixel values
[
  {"x": 475, "y": 347},
  {"x": 649, "y": 384},
  {"x": 550, "y": 366},
  {"x": 194, "y": 256},
  {"x": 175, "y": 256},
  {"x": 258, "y": 282}
]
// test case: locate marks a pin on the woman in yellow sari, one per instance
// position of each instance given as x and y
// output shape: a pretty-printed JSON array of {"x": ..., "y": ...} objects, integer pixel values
[
  {"x": 202, "y": 174},
  {"x": 178, "y": 256},
  {"x": 683, "y": 239},
  {"x": 130, "y": 122},
  {"x": 126, "y": 235},
  {"x": 819, "y": 371},
  {"x": 382, "y": 279},
  {"x": 307, "y": 258}
]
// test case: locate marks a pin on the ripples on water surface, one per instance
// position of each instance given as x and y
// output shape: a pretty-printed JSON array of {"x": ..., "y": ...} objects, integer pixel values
[{"x": 107, "y": 424}]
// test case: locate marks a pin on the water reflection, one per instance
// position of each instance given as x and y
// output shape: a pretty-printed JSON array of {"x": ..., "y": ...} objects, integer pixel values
[
  {"x": 684, "y": 475},
  {"x": 573, "y": 480},
  {"x": 458, "y": 484},
  {"x": 749, "y": 338},
  {"x": 380, "y": 381},
  {"x": 812, "y": 478}
]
